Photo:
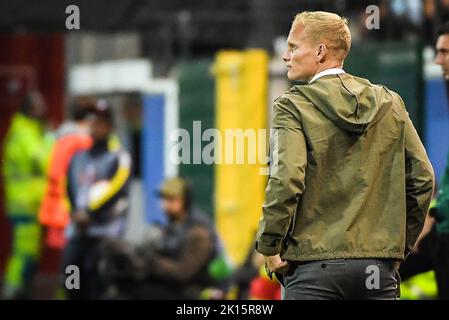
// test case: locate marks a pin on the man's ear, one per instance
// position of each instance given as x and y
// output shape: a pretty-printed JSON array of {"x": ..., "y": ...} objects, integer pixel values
[{"x": 321, "y": 52}]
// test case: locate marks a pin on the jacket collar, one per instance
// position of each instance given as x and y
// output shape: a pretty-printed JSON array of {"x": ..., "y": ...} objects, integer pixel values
[{"x": 326, "y": 73}]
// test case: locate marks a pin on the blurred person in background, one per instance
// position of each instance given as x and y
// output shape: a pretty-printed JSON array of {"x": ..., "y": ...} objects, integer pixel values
[
  {"x": 71, "y": 137},
  {"x": 442, "y": 53},
  {"x": 250, "y": 280},
  {"x": 442, "y": 10},
  {"x": 190, "y": 255},
  {"x": 429, "y": 22},
  {"x": 25, "y": 156},
  {"x": 395, "y": 22},
  {"x": 181, "y": 260},
  {"x": 246, "y": 273},
  {"x": 432, "y": 250},
  {"x": 352, "y": 183},
  {"x": 262, "y": 287},
  {"x": 259, "y": 286},
  {"x": 98, "y": 192}
]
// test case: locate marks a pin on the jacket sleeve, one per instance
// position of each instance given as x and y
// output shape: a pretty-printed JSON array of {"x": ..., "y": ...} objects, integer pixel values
[
  {"x": 419, "y": 185},
  {"x": 101, "y": 194},
  {"x": 71, "y": 187},
  {"x": 288, "y": 160}
]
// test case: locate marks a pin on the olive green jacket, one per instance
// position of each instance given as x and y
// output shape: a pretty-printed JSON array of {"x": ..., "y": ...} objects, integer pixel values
[{"x": 349, "y": 176}]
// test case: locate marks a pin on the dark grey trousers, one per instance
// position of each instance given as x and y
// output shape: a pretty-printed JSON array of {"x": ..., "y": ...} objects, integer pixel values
[{"x": 341, "y": 279}]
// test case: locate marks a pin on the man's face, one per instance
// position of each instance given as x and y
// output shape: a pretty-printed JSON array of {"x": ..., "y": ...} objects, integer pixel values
[
  {"x": 300, "y": 56},
  {"x": 173, "y": 207},
  {"x": 100, "y": 128},
  {"x": 442, "y": 57},
  {"x": 38, "y": 108}
]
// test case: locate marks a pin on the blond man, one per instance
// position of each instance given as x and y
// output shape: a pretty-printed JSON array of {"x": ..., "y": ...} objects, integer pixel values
[{"x": 350, "y": 182}]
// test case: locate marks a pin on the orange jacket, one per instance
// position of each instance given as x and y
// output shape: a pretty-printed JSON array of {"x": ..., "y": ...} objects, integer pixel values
[{"x": 54, "y": 210}]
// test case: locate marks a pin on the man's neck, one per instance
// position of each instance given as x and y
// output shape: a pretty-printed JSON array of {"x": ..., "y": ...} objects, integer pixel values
[
  {"x": 327, "y": 66},
  {"x": 181, "y": 218},
  {"x": 323, "y": 69}
]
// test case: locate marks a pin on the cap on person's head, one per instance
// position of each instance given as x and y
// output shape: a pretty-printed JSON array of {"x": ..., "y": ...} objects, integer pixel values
[
  {"x": 173, "y": 188},
  {"x": 102, "y": 109}
]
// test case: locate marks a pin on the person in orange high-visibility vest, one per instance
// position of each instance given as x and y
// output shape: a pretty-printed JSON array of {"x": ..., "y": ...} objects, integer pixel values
[{"x": 72, "y": 137}]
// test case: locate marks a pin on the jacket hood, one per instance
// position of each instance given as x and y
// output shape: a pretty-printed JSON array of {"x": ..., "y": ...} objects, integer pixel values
[{"x": 353, "y": 104}]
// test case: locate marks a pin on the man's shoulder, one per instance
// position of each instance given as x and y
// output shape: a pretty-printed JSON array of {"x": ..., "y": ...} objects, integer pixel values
[
  {"x": 199, "y": 217},
  {"x": 294, "y": 102},
  {"x": 376, "y": 86},
  {"x": 200, "y": 225},
  {"x": 292, "y": 97},
  {"x": 382, "y": 90},
  {"x": 118, "y": 154},
  {"x": 80, "y": 156}
]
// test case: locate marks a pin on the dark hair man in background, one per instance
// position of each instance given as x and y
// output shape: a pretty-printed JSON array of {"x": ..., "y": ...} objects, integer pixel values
[
  {"x": 432, "y": 251},
  {"x": 98, "y": 192},
  {"x": 188, "y": 246}
]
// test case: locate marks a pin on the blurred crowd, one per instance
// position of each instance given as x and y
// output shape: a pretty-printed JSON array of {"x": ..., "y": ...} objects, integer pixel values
[
  {"x": 399, "y": 19},
  {"x": 68, "y": 190}
]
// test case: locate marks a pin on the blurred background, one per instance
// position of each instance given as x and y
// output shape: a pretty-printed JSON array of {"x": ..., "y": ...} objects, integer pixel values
[{"x": 162, "y": 65}]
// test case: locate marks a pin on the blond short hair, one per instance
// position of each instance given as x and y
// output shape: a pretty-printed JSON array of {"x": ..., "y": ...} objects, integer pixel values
[{"x": 328, "y": 28}]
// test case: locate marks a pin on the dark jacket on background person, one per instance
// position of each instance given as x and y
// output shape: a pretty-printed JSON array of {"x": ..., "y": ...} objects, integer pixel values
[
  {"x": 173, "y": 265},
  {"x": 186, "y": 251},
  {"x": 349, "y": 176},
  {"x": 181, "y": 260}
]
